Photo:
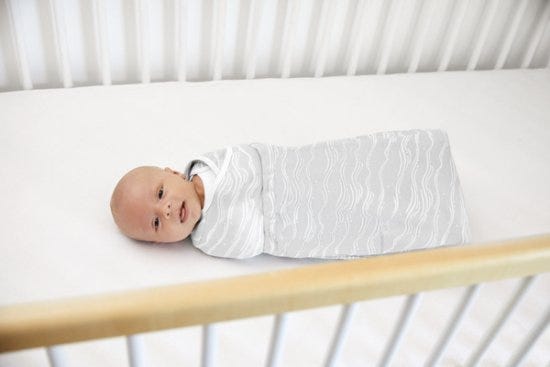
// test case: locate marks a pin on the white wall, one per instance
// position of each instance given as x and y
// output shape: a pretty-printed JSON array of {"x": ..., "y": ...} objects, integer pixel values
[{"x": 33, "y": 21}]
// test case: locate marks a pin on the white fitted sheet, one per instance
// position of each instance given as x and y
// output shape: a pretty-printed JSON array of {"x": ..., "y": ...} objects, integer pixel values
[{"x": 63, "y": 150}]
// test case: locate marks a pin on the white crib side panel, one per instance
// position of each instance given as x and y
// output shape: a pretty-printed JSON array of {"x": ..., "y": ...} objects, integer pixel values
[{"x": 319, "y": 37}]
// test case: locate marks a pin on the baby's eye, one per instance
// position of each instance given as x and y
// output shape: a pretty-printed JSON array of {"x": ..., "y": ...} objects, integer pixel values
[
  {"x": 161, "y": 192},
  {"x": 156, "y": 223}
]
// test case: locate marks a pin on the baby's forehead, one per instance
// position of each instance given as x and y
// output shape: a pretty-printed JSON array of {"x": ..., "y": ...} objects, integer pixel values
[
  {"x": 129, "y": 201},
  {"x": 143, "y": 175},
  {"x": 139, "y": 181},
  {"x": 146, "y": 171}
]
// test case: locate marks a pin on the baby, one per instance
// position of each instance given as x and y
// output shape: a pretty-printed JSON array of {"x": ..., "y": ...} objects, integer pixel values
[
  {"x": 369, "y": 195},
  {"x": 157, "y": 205}
]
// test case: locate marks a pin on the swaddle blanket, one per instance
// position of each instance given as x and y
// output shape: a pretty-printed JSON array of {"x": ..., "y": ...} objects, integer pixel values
[{"x": 380, "y": 193}]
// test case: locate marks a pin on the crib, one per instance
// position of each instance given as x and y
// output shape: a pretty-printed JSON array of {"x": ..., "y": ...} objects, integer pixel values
[{"x": 91, "y": 89}]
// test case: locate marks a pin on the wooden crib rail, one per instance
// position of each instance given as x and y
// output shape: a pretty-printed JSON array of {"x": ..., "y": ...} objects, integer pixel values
[{"x": 49, "y": 323}]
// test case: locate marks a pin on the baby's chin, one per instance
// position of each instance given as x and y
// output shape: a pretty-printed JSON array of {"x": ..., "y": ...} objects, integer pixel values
[{"x": 167, "y": 241}]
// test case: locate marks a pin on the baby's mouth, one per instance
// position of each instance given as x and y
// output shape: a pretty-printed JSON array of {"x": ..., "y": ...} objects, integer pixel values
[{"x": 183, "y": 212}]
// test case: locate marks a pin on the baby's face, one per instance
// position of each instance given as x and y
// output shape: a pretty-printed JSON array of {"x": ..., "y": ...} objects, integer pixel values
[{"x": 152, "y": 204}]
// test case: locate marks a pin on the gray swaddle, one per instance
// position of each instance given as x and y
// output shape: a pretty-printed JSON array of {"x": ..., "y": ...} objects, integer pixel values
[{"x": 380, "y": 193}]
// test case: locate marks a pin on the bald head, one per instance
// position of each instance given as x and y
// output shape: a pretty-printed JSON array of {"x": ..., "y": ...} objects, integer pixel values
[
  {"x": 156, "y": 205},
  {"x": 127, "y": 192}
]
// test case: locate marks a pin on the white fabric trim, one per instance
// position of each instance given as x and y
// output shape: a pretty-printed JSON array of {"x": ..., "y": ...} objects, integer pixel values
[
  {"x": 208, "y": 181},
  {"x": 210, "y": 184}
]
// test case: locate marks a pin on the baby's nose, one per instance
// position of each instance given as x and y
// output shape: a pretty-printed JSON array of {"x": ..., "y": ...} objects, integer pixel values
[{"x": 167, "y": 210}]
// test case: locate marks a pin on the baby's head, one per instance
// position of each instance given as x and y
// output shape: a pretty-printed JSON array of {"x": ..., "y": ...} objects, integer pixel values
[{"x": 157, "y": 205}]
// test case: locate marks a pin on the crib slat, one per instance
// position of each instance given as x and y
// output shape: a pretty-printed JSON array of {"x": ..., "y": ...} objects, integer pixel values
[
  {"x": 341, "y": 333},
  {"x": 60, "y": 41},
  {"x": 269, "y": 293},
  {"x": 218, "y": 30},
  {"x": 400, "y": 328},
  {"x": 536, "y": 37},
  {"x": 428, "y": 10},
  {"x": 389, "y": 33},
  {"x": 501, "y": 320},
  {"x": 323, "y": 36},
  {"x": 488, "y": 18},
  {"x": 180, "y": 39},
  {"x": 453, "y": 325},
  {"x": 356, "y": 36},
  {"x": 23, "y": 70},
  {"x": 531, "y": 338},
  {"x": 511, "y": 34},
  {"x": 453, "y": 35},
  {"x": 142, "y": 42},
  {"x": 56, "y": 357},
  {"x": 254, "y": 18},
  {"x": 279, "y": 331},
  {"x": 100, "y": 33},
  {"x": 134, "y": 345},
  {"x": 208, "y": 345},
  {"x": 287, "y": 42}
]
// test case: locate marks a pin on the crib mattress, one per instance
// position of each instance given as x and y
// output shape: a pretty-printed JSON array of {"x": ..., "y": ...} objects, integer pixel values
[{"x": 63, "y": 150}]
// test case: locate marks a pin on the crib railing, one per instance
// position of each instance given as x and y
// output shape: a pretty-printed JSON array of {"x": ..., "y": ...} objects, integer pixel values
[
  {"x": 309, "y": 38},
  {"x": 52, "y": 323}
]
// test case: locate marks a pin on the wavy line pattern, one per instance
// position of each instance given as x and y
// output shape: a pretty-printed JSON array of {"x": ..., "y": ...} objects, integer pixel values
[
  {"x": 369, "y": 195},
  {"x": 233, "y": 226}
]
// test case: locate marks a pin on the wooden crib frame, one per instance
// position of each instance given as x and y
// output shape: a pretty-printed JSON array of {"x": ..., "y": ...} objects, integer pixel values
[{"x": 343, "y": 282}]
